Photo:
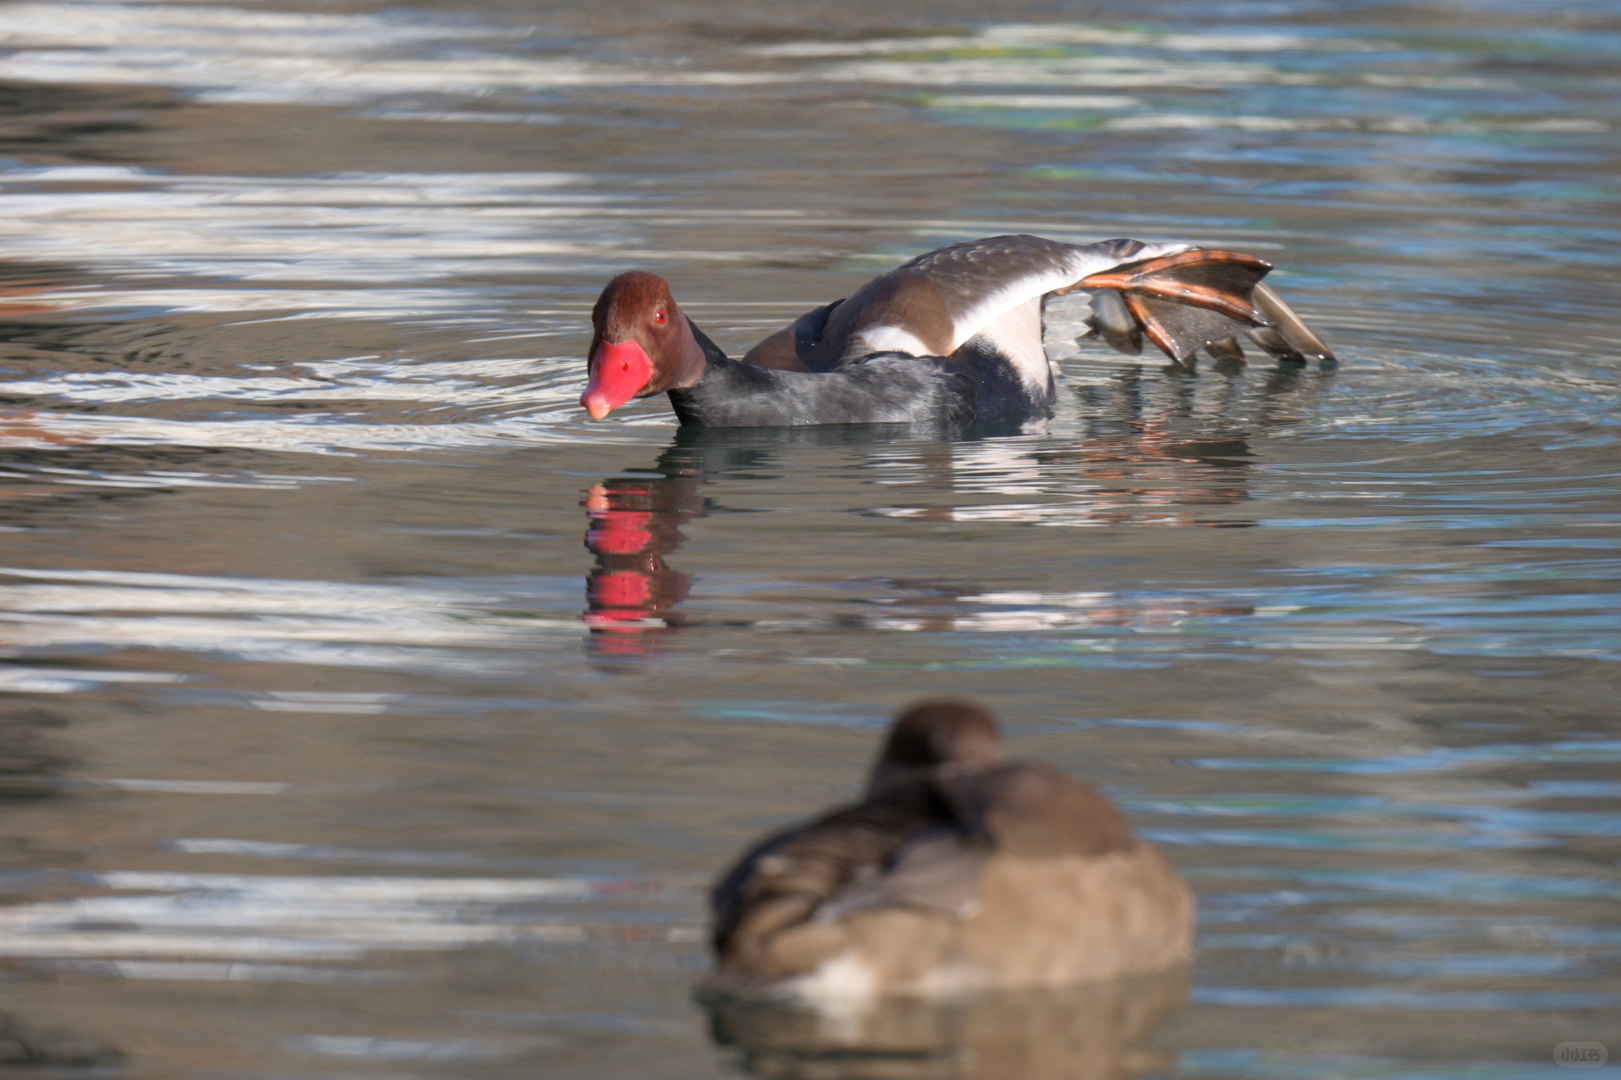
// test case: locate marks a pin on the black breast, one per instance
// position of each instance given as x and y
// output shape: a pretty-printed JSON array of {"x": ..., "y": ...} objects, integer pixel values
[{"x": 884, "y": 389}]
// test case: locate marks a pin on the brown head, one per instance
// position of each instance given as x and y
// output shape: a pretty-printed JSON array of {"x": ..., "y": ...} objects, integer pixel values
[
  {"x": 641, "y": 344},
  {"x": 935, "y": 732}
]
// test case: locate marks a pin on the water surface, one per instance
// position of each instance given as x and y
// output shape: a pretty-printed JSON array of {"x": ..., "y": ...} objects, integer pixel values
[{"x": 369, "y": 712}]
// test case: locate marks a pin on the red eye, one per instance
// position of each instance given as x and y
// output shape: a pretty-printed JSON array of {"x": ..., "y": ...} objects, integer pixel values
[{"x": 659, "y": 316}]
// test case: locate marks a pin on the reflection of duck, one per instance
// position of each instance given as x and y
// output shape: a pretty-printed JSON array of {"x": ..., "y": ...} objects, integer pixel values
[
  {"x": 634, "y": 524},
  {"x": 953, "y": 336},
  {"x": 636, "y": 521},
  {"x": 1089, "y": 1032},
  {"x": 958, "y": 871},
  {"x": 1138, "y": 466}
]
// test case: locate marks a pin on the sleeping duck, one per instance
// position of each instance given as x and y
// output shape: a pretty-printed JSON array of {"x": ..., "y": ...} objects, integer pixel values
[
  {"x": 951, "y": 337},
  {"x": 958, "y": 871}
]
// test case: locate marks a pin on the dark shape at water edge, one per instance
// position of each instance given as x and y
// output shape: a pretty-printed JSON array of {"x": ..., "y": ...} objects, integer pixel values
[
  {"x": 1097, "y": 1031},
  {"x": 31, "y": 764},
  {"x": 27, "y": 1046}
]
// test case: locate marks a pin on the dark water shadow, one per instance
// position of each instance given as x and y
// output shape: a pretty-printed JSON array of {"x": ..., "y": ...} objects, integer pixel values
[
  {"x": 31, "y": 762},
  {"x": 62, "y": 119},
  {"x": 1094, "y": 1032},
  {"x": 33, "y": 768},
  {"x": 51, "y": 1050}
]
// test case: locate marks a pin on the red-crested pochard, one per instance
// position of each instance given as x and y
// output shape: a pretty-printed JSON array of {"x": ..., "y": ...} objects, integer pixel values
[
  {"x": 953, "y": 336},
  {"x": 958, "y": 871}
]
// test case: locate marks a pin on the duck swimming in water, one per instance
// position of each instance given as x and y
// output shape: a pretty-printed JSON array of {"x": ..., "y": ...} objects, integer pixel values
[
  {"x": 953, "y": 336},
  {"x": 957, "y": 871}
]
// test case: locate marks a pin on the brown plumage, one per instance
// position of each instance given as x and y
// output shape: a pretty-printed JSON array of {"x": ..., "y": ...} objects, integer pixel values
[{"x": 958, "y": 870}]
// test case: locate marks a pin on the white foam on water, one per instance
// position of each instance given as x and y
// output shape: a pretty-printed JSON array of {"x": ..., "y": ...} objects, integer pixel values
[
  {"x": 552, "y": 418},
  {"x": 21, "y": 679},
  {"x": 174, "y": 917},
  {"x": 354, "y": 228},
  {"x": 195, "y": 787},
  {"x": 232, "y": 971},
  {"x": 1033, "y": 101},
  {"x": 1029, "y": 35},
  {"x": 249, "y": 54},
  {"x": 322, "y": 622}
]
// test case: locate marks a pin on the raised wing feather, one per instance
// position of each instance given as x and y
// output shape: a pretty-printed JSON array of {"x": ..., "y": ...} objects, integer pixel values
[
  {"x": 1182, "y": 298},
  {"x": 1199, "y": 299},
  {"x": 934, "y": 304},
  {"x": 980, "y": 281}
]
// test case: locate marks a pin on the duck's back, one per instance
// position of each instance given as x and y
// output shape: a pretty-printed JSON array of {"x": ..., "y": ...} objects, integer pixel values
[{"x": 1071, "y": 895}]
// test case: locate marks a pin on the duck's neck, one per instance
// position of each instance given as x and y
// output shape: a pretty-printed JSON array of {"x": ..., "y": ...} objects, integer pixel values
[
  {"x": 707, "y": 352},
  {"x": 714, "y": 383},
  {"x": 693, "y": 350}
]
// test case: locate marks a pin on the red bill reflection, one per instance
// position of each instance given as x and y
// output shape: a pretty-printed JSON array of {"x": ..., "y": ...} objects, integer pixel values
[{"x": 631, "y": 591}]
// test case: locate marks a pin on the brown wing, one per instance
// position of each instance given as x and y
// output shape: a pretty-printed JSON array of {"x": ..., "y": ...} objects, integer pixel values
[
  {"x": 981, "y": 280},
  {"x": 785, "y": 878},
  {"x": 934, "y": 303},
  {"x": 1181, "y": 299},
  {"x": 797, "y": 346}
]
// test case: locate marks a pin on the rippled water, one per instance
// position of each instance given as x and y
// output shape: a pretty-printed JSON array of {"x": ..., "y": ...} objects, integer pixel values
[{"x": 370, "y": 713}]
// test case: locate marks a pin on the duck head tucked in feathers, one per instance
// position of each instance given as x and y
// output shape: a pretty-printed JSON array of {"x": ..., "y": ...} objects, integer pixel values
[
  {"x": 943, "y": 731},
  {"x": 957, "y": 871}
]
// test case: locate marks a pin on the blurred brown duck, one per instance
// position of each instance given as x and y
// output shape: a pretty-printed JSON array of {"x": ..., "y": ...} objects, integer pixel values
[{"x": 958, "y": 871}]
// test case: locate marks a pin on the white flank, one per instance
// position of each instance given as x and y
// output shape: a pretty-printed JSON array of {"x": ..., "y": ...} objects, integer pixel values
[
  {"x": 1016, "y": 337},
  {"x": 1022, "y": 290},
  {"x": 842, "y": 991},
  {"x": 953, "y": 980},
  {"x": 884, "y": 339},
  {"x": 842, "y": 981}
]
